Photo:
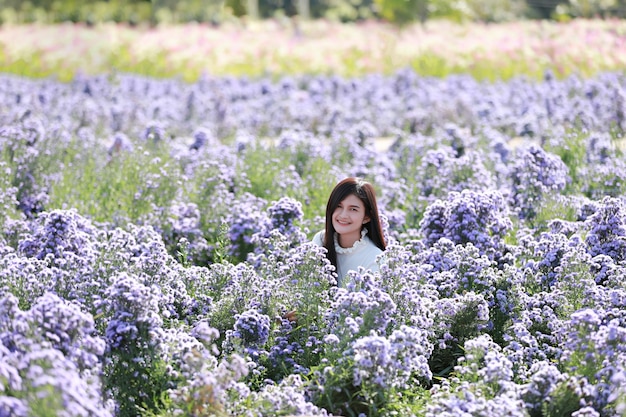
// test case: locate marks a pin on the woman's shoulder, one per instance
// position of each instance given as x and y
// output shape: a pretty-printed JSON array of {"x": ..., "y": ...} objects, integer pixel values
[
  {"x": 318, "y": 239},
  {"x": 371, "y": 246}
]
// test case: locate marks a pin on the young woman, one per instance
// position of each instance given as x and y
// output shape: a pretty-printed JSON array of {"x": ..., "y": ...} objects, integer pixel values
[{"x": 353, "y": 234}]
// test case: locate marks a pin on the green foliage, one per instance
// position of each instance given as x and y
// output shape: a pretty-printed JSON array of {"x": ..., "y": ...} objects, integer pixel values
[
  {"x": 137, "y": 386},
  {"x": 411, "y": 402},
  {"x": 463, "y": 327},
  {"x": 264, "y": 169},
  {"x": 120, "y": 189},
  {"x": 564, "y": 399},
  {"x": 30, "y": 173},
  {"x": 553, "y": 208},
  {"x": 308, "y": 181},
  {"x": 572, "y": 149},
  {"x": 8, "y": 195},
  {"x": 318, "y": 187},
  {"x": 403, "y": 12},
  {"x": 341, "y": 397},
  {"x": 344, "y": 10}
]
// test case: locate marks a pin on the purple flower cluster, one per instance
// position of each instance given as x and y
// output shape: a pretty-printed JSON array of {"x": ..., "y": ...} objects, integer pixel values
[
  {"x": 50, "y": 358},
  {"x": 212, "y": 388},
  {"x": 288, "y": 352},
  {"x": 50, "y": 383},
  {"x": 405, "y": 277},
  {"x": 284, "y": 214},
  {"x": 21, "y": 139},
  {"x": 134, "y": 313},
  {"x": 607, "y": 230},
  {"x": 547, "y": 257},
  {"x": 252, "y": 328},
  {"x": 247, "y": 220},
  {"x": 444, "y": 170},
  {"x": 382, "y": 363},
  {"x": 357, "y": 313},
  {"x": 458, "y": 268},
  {"x": 479, "y": 218},
  {"x": 594, "y": 348},
  {"x": 484, "y": 385},
  {"x": 66, "y": 328},
  {"x": 290, "y": 397},
  {"x": 184, "y": 235},
  {"x": 298, "y": 281},
  {"x": 8, "y": 193},
  {"x": 544, "y": 379},
  {"x": 535, "y": 174},
  {"x": 27, "y": 278},
  {"x": 61, "y": 235}
]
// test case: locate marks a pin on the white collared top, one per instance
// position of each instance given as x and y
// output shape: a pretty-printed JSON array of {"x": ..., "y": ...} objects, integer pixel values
[{"x": 363, "y": 253}]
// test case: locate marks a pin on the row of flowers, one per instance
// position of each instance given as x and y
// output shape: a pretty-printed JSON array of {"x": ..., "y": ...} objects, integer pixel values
[
  {"x": 154, "y": 234},
  {"x": 436, "y": 48},
  {"x": 106, "y": 322}
]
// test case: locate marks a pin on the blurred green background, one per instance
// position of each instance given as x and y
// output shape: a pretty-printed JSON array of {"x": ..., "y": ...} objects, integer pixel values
[{"x": 215, "y": 12}]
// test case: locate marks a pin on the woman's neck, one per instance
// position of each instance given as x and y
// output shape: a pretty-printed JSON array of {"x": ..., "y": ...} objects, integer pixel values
[{"x": 348, "y": 240}]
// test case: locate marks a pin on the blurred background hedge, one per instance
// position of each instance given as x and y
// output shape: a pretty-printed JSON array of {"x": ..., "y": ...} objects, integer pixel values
[{"x": 216, "y": 11}]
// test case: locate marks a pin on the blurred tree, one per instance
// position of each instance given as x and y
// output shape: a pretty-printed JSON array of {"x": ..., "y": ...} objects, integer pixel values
[
  {"x": 344, "y": 10},
  {"x": 252, "y": 8},
  {"x": 593, "y": 8},
  {"x": 403, "y": 12},
  {"x": 543, "y": 9},
  {"x": 400, "y": 12},
  {"x": 495, "y": 10},
  {"x": 187, "y": 10},
  {"x": 270, "y": 8},
  {"x": 237, "y": 7}
]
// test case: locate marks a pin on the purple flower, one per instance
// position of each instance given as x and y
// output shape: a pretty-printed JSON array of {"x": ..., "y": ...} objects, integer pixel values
[
  {"x": 134, "y": 314},
  {"x": 288, "y": 397},
  {"x": 284, "y": 213},
  {"x": 45, "y": 378},
  {"x": 480, "y": 218},
  {"x": 66, "y": 328},
  {"x": 354, "y": 313},
  {"x": 372, "y": 362},
  {"x": 607, "y": 230},
  {"x": 252, "y": 328},
  {"x": 544, "y": 378},
  {"x": 61, "y": 235},
  {"x": 244, "y": 222},
  {"x": 154, "y": 132},
  {"x": 11, "y": 406},
  {"x": 535, "y": 174}
]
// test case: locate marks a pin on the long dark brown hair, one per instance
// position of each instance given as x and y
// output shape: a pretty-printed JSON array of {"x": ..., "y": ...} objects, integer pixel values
[{"x": 365, "y": 192}]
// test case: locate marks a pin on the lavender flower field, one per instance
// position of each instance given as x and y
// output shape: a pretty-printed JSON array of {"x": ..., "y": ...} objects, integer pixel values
[{"x": 154, "y": 233}]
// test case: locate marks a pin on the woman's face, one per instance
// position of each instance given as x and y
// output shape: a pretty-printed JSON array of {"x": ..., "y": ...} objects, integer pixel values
[{"x": 349, "y": 216}]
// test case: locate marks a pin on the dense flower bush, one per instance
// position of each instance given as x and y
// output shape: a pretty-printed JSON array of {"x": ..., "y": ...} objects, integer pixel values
[{"x": 156, "y": 254}]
